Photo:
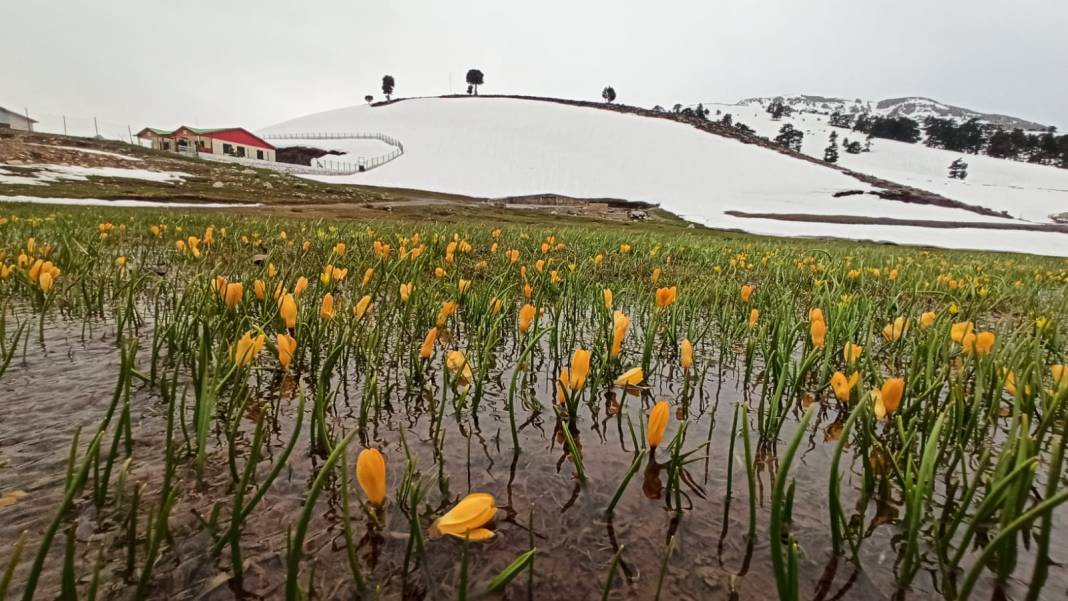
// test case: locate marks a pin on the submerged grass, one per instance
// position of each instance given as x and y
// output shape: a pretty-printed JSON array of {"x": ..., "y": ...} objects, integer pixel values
[{"x": 938, "y": 377}]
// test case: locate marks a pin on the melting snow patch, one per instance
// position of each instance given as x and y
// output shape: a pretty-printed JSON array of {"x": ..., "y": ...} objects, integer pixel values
[
  {"x": 55, "y": 173},
  {"x": 964, "y": 238},
  {"x": 114, "y": 155},
  {"x": 12, "y": 179},
  {"x": 126, "y": 203}
]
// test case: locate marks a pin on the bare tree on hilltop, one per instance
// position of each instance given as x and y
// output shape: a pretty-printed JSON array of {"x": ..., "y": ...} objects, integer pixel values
[
  {"x": 609, "y": 94},
  {"x": 474, "y": 79},
  {"x": 387, "y": 86}
]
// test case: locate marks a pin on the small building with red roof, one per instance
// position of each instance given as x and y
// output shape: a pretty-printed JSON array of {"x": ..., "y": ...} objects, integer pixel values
[{"x": 231, "y": 141}]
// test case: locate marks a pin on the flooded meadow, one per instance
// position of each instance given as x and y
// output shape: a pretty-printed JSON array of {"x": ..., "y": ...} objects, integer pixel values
[{"x": 207, "y": 406}]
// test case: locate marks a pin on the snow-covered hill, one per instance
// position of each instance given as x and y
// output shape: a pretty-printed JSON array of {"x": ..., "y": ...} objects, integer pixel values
[
  {"x": 1026, "y": 191},
  {"x": 496, "y": 147},
  {"x": 916, "y": 108}
]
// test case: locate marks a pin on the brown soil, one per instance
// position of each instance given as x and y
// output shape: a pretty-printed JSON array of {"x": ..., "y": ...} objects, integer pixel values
[
  {"x": 861, "y": 220},
  {"x": 302, "y": 155}
]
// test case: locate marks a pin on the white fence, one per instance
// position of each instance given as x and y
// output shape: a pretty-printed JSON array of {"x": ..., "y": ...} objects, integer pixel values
[{"x": 341, "y": 167}]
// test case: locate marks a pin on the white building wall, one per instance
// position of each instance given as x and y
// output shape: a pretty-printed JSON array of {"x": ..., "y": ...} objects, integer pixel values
[
  {"x": 250, "y": 151},
  {"x": 14, "y": 121}
]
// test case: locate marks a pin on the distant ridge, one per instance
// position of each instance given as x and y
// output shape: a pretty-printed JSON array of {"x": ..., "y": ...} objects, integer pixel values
[{"x": 917, "y": 108}]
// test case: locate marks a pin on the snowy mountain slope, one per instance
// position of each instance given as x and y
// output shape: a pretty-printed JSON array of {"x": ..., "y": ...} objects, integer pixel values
[
  {"x": 916, "y": 108},
  {"x": 495, "y": 147},
  {"x": 1026, "y": 191}
]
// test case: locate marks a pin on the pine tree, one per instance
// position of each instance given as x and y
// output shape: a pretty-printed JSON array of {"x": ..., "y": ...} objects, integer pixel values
[
  {"x": 853, "y": 147},
  {"x": 958, "y": 169},
  {"x": 727, "y": 120},
  {"x": 790, "y": 137},
  {"x": 1048, "y": 147},
  {"x": 609, "y": 94},
  {"x": 776, "y": 109},
  {"x": 830, "y": 154},
  {"x": 368, "y": 99},
  {"x": 1000, "y": 145},
  {"x": 839, "y": 119},
  {"x": 867, "y": 143}
]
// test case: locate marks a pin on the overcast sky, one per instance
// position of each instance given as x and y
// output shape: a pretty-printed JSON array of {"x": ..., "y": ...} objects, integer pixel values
[{"x": 257, "y": 62}]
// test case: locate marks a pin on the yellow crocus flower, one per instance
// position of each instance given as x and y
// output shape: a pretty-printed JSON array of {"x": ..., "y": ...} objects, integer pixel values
[
  {"x": 620, "y": 323},
  {"x": 428, "y": 344},
  {"x": 665, "y": 297},
  {"x": 580, "y": 369},
  {"x": 233, "y": 293},
  {"x": 246, "y": 348},
  {"x": 526, "y": 317},
  {"x": 631, "y": 377},
  {"x": 891, "y": 392},
  {"x": 371, "y": 474},
  {"x": 852, "y": 352},
  {"x": 287, "y": 308},
  {"x": 361, "y": 306},
  {"x": 287, "y": 345},
  {"x": 326, "y": 308},
  {"x": 658, "y": 421},
  {"x": 468, "y": 518},
  {"x": 686, "y": 354}
]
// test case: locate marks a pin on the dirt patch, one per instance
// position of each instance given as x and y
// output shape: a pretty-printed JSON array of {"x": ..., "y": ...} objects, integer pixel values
[
  {"x": 561, "y": 200},
  {"x": 891, "y": 191},
  {"x": 302, "y": 155}
]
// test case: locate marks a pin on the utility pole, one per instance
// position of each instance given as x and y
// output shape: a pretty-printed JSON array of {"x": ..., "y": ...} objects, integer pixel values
[
  {"x": 64, "y": 125},
  {"x": 29, "y": 124},
  {"x": 96, "y": 127}
]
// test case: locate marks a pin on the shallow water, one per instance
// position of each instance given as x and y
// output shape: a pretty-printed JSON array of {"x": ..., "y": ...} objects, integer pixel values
[{"x": 68, "y": 381}]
